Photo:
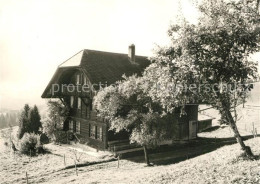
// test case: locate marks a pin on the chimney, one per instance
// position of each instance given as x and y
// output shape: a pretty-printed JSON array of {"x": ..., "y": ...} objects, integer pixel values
[{"x": 131, "y": 53}]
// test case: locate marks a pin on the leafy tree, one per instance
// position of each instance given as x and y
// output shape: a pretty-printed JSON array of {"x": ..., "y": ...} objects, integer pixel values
[
  {"x": 127, "y": 107},
  {"x": 206, "y": 61},
  {"x": 57, "y": 114},
  {"x": 23, "y": 121},
  {"x": 34, "y": 120}
]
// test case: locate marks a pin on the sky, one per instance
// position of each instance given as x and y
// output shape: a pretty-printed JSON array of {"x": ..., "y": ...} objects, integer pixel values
[{"x": 38, "y": 35}]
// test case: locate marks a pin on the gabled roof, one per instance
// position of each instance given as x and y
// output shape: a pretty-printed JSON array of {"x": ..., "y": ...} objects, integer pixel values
[
  {"x": 73, "y": 61},
  {"x": 100, "y": 67}
]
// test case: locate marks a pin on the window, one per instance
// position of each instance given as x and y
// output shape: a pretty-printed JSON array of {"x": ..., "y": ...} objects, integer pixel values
[
  {"x": 86, "y": 85},
  {"x": 85, "y": 80},
  {"x": 88, "y": 112},
  {"x": 71, "y": 101},
  {"x": 79, "y": 103},
  {"x": 70, "y": 126},
  {"x": 93, "y": 131},
  {"x": 90, "y": 105},
  {"x": 99, "y": 133},
  {"x": 78, "y": 127},
  {"x": 77, "y": 82}
]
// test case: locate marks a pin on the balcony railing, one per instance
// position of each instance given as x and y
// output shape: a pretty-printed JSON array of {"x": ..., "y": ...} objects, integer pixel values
[{"x": 61, "y": 90}]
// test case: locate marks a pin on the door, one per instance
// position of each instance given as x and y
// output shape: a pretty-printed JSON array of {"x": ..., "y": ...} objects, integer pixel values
[{"x": 192, "y": 129}]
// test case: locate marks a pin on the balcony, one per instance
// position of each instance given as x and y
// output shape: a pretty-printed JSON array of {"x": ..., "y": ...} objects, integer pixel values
[{"x": 61, "y": 90}]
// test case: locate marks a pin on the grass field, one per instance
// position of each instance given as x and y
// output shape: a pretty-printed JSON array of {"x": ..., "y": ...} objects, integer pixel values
[
  {"x": 220, "y": 166},
  {"x": 213, "y": 158}
]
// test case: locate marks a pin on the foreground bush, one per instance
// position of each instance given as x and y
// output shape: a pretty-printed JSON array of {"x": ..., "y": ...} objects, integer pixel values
[
  {"x": 30, "y": 144},
  {"x": 44, "y": 139},
  {"x": 61, "y": 137}
]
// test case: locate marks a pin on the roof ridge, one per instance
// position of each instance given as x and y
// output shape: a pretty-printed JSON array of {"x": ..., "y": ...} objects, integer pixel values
[
  {"x": 111, "y": 52},
  {"x": 71, "y": 57}
]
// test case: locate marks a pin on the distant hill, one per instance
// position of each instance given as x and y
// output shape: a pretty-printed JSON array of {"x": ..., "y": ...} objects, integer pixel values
[
  {"x": 11, "y": 117},
  {"x": 5, "y": 110},
  {"x": 8, "y": 117},
  {"x": 254, "y": 96}
]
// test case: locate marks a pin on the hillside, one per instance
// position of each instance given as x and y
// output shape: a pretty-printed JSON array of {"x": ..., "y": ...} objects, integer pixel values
[
  {"x": 254, "y": 95},
  {"x": 213, "y": 158},
  {"x": 8, "y": 118},
  {"x": 220, "y": 166}
]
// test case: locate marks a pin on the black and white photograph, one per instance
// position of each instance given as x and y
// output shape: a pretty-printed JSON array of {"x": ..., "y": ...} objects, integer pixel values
[{"x": 129, "y": 91}]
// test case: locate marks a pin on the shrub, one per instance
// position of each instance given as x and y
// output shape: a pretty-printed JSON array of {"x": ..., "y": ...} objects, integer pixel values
[
  {"x": 29, "y": 144},
  {"x": 53, "y": 134},
  {"x": 44, "y": 139},
  {"x": 40, "y": 149},
  {"x": 61, "y": 137},
  {"x": 48, "y": 127}
]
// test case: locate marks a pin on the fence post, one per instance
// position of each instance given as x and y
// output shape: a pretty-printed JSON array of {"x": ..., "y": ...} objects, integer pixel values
[
  {"x": 76, "y": 167},
  {"x": 118, "y": 159},
  {"x": 27, "y": 178},
  {"x": 253, "y": 130},
  {"x": 64, "y": 160}
]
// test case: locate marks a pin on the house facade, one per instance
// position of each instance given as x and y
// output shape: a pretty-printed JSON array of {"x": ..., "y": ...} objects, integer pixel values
[{"x": 76, "y": 81}]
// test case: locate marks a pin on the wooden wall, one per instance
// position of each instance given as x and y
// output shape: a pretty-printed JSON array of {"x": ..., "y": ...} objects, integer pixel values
[
  {"x": 183, "y": 121},
  {"x": 87, "y": 117},
  {"x": 204, "y": 124}
]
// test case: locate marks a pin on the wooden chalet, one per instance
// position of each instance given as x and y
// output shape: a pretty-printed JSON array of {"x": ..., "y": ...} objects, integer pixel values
[{"x": 96, "y": 68}]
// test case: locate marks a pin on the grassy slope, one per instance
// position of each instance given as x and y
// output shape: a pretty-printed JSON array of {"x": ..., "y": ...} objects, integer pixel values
[
  {"x": 219, "y": 166},
  {"x": 13, "y": 167},
  {"x": 43, "y": 167}
]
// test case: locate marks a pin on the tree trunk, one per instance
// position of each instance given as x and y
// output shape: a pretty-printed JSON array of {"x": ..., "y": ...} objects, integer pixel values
[
  {"x": 233, "y": 126},
  {"x": 146, "y": 156}
]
